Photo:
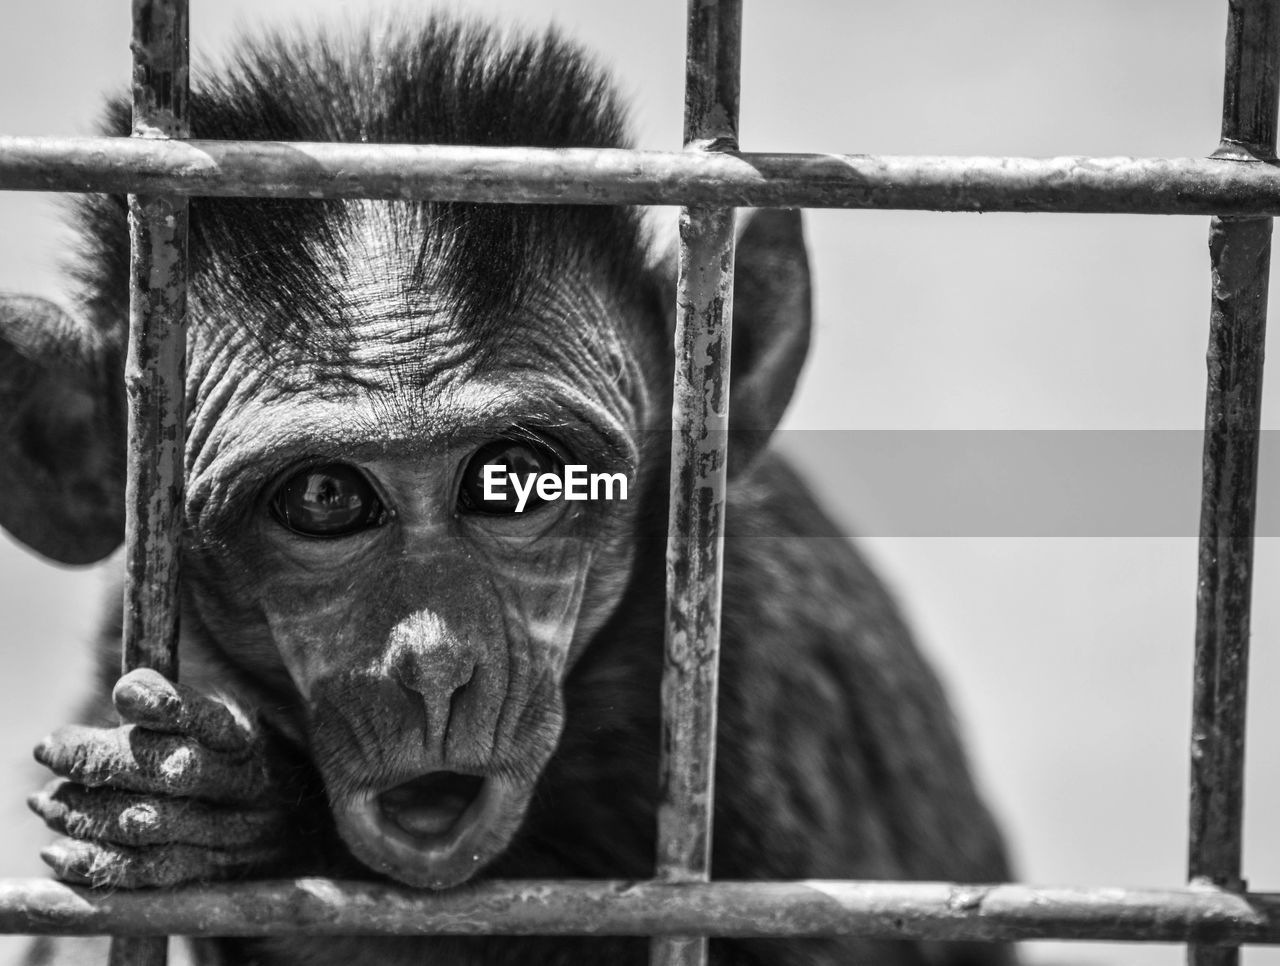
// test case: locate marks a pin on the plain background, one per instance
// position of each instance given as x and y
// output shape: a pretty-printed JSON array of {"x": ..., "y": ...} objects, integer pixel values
[{"x": 1068, "y": 657}]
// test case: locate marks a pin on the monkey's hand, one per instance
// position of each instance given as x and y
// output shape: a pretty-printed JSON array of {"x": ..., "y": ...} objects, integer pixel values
[{"x": 183, "y": 791}]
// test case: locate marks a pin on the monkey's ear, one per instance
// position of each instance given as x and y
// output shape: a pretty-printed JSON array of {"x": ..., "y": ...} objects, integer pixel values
[
  {"x": 61, "y": 434},
  {"x": 771, "y": 319}
]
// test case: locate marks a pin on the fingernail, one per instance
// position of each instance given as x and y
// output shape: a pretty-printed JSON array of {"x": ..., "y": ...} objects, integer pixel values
[
  {"x": 132, "y": 693},
  {"x": 139, "y": 818}
]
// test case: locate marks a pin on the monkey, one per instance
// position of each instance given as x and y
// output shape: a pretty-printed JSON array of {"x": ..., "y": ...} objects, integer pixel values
[{"x": 393, "y": 669}]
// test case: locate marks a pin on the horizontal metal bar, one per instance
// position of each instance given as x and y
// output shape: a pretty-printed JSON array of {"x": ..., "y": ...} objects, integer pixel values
[
  {"x": 1155, "y": 186},
  {"x": 880, "y": 910}
]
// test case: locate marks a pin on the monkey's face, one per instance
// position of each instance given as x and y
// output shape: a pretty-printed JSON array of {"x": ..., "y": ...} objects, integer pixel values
[
  {"x": 355, "y": 372},
  {"x": 373, "y": 529},
  {"x": 345, "y": 574}
]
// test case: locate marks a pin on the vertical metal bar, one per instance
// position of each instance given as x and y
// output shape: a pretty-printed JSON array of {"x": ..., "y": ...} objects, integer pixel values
[
  {"x": 699, "y": 422},
  {"x": 155, "y": 374},
  {"x": 1240, "y": 249}
]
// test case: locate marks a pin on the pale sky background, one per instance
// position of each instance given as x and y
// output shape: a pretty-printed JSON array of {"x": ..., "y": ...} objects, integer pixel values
[{"x": 1068, "y": 657}]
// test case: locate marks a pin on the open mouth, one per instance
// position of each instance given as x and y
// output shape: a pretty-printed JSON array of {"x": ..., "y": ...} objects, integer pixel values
[
  {"x": 431, "y": 805},
  {"x": 435, "y": 830}
]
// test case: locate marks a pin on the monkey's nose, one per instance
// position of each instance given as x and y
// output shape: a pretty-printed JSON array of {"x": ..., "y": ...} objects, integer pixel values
[
  {"x": 431, "y": 804},
  {"x": 441, "y": 682}
]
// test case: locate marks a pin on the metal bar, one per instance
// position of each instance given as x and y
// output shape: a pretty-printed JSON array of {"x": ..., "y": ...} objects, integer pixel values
[
  {"x": 155, "y": 379},
  {"x": 874, "y": 910},
  {"x": 1240, "y": 251},
  {"x": 699, "y": 438},
  {"x": 712, "y": 73},
  {"x": 695, "y": 541},
  {"x": 1153, "y": 186}
]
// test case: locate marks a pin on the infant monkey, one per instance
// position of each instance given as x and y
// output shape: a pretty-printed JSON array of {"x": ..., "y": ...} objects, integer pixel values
[{"x": 393, "y": 670}]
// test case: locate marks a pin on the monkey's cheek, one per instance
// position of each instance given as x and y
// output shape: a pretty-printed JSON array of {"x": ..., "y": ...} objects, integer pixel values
[{"x": 440, "y": 860}]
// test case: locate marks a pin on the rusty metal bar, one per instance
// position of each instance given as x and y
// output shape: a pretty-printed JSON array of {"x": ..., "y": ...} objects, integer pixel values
[
  {"x": 1153, "y": 186},
  {"x": 874, "y": 910},
  {"x": 699, "y": 424},
  {"x": 1240, "y": 250},
  {"x": 712, "y": 74},
  {"x": 155, "y": 378},
  {"x": 695, "y": 542}
]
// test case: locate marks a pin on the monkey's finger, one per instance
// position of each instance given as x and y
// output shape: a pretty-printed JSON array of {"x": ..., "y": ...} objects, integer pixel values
[
  {"x": 123, "y": 818},
  {"x": 145, "y": 697},
  {"x": 136, "y": 759},
  {"x": 122, "y": 867}
]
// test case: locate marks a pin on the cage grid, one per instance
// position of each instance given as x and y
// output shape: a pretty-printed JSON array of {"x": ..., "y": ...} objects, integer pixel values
[{"x": 160, "y": 168}]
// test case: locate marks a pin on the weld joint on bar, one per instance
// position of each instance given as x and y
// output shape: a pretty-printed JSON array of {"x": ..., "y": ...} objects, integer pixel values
[
  {"x": 716, "y": 145},
  {"x": 1232, "y": 150}
]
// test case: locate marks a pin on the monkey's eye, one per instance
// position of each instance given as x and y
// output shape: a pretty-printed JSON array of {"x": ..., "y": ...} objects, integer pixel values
[
  {"x": 502, "y": 477},
  {"x": 332, "y": 500}
]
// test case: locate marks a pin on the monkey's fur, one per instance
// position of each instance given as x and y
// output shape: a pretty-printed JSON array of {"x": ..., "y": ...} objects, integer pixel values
[{"x": 324, "y": 675}]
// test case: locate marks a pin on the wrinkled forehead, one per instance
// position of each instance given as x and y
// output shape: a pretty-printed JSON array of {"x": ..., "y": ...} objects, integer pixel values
[
  {"x": 369, "y": 293},
  {"x": 373, "y": 326}
]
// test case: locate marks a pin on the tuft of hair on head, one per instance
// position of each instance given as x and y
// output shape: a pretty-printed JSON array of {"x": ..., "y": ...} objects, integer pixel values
[{"x": 436, "y": 81}]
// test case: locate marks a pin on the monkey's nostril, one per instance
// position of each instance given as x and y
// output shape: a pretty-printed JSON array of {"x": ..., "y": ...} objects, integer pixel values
[{"x": 430, "y": 804}]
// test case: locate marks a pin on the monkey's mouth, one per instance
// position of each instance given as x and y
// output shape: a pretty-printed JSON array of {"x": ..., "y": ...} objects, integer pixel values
[
  {"x": 434, "y": 830},
  {"x": 431, "y": 805}
]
